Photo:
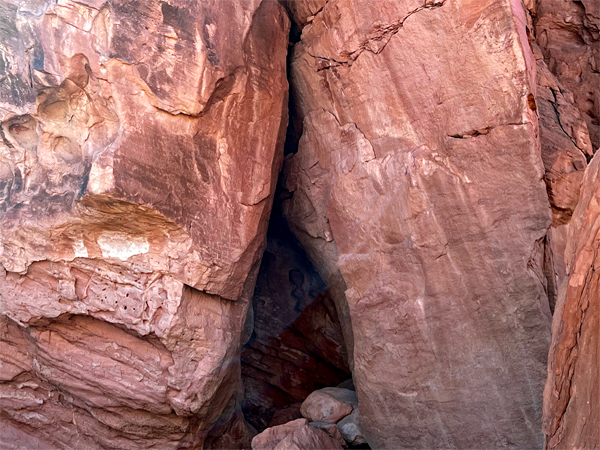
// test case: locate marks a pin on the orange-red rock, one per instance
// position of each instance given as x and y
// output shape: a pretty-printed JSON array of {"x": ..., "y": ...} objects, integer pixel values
[
  {"x": 568, "y": 33},
  {"x": 418, "y": 184},
  {"x": 138, "y": 158},
  {"x": 572, "y": 394}
]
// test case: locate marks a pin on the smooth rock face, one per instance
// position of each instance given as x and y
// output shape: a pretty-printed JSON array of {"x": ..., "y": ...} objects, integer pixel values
[
  {"x": 329, "y": 404},
  {"x": 138, "y": 158},
  {"x": 572, "y": 394},
  {"x": 418, "y": 183}
]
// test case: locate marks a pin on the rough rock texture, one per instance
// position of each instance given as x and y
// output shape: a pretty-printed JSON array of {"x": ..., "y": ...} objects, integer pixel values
[
  {"x": 296, "y": 343},
  {"x": 568, "y": 33},
  {"x": 331, "y": 429},
  {"x": 269, "y": 438},
  {"x": 572, "y": 394},
  {"x": 308, "y": 438},
  {"x": 565, "y": 143},
  {"x": 349, "y": 428},
  {"x": 417, "y": 190},
  {"x": 284, "y": 415},
  {"x": 138, "y": 157}
]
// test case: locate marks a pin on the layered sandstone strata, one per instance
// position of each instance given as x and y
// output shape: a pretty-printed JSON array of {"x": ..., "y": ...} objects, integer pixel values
[{"x": 138, "y": 158}]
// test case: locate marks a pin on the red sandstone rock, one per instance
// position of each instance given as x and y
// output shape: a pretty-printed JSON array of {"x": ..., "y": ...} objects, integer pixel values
[
  {"x": 329, "y": 404},
  {"x": 290, "y": 365},
  {"x": 418, "y": 185},
  {"x": 564, "y": 141},
  {"x": 138, "y": 157},
  {"x": 296, "y": 344},
  {"x": 271, "y": 437},
  {"x": 331, "y": 429},
  {"x": 572, "y": 394},
  {"x": 568, "y": 33}
]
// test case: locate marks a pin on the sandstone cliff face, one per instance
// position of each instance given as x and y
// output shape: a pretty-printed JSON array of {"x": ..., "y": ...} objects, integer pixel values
[
  {"x": 418, "y": 179},
  {"x": 568, "y": 33},
  {"x": 139, "y": 155},
  {"x": 296, "y": 344},
  {"x": 572, "y": 394},
  {"x": 436, "y": 178}
]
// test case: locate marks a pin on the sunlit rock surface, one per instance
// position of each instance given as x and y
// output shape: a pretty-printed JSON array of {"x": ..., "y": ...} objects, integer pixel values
[
  {"x": 138, "y": 158},
  {"x": 418, "y": 181}
]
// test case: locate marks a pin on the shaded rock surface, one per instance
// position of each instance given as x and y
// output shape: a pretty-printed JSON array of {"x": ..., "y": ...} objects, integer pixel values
[
  {"x": 572, "y": 394},
  {"x": 420, "y": 198},
  {"x": 565, "y": 143},
  {"x": 296, "y": 344},
  {"x": 349, "y": 428},
  {"x": 139, "y": 152}
]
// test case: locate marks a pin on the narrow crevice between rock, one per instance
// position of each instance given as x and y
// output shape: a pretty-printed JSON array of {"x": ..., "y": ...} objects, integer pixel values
[{"x": 296, "y": 344}]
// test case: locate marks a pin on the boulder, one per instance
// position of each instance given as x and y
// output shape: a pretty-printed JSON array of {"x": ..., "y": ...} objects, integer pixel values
[
  {"x": 329, "y": 404},
  {"x": 271, "y": 437},
  {"x": 348, "y": 384},
  {"x": 572, "y": 394},
  {"x": 331, "y": 429}
]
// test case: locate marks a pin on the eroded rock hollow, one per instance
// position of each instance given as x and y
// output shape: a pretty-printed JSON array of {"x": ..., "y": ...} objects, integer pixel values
[{"x": 213, "y": 213}]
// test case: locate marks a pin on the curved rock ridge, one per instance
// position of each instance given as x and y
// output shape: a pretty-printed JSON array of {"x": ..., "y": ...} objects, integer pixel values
[
  {"x": 139, "y": 152},
  {"x": 418, "y": 190}
]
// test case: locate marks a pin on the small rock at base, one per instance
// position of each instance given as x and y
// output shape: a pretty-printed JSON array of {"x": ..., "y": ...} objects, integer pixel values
[{"x": 348, "y": 384}]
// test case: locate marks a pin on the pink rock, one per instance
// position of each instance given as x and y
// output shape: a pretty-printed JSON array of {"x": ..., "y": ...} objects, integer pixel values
[
  {"x": 572, "y": 395},
  {"x": 567, "y": 33},
  {"x": 418, "y": 191},
  {"x": 308, "y": 438},
  {"x": 271, "y": 437},
  {"x": 139, "y": 154},
  {"x": 329, "y": 404}
]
